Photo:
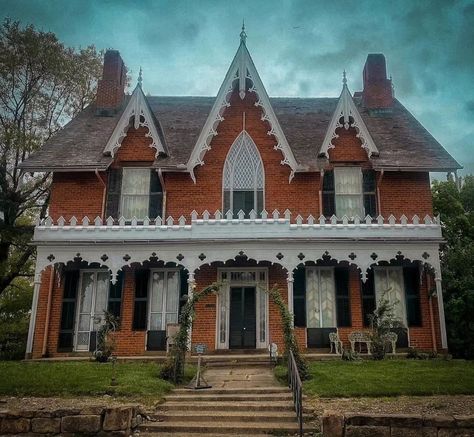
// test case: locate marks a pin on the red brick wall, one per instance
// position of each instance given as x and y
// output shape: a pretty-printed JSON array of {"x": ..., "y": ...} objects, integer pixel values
[{"x": 135, "y": 149}]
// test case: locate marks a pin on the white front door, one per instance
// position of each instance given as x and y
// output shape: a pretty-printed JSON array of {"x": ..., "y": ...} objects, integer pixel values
[
  {"x": 320, "y": 297},
  {"x": 93, "y": 300},
  {"x": 164, "y": 298}
]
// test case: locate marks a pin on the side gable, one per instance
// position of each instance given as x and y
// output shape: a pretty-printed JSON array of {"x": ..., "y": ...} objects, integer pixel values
[
  {"x": 138, "y": 109},
  {"x": 241, "y": 69},
  {"x": 347, "y": 111}
]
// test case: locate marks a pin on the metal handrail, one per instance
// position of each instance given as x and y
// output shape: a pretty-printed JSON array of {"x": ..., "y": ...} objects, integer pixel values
[{"x": 294, "y": 382}]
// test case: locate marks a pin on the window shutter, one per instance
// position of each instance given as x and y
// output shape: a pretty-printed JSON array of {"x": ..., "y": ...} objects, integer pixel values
[
  {"x": 343, "y": 303},
  {"x": 329, "y": 200},
  {"x": 368, "y": 297},
  {"x": 115, "y": 295},
  {"x": 369, "y": 188},
  {"x": 183, "y": 290},
  {"x": 114, "y": 189},
  {"x": 141, "y": 300},
  {"x": 299, "y": 296},
  {"x": 68, "y": 311},
  {"x": 156, "y": 196},
  {"x": 411, "y": 276}
]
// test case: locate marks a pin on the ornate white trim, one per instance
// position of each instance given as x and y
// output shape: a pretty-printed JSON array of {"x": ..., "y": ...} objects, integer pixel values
[
  {"x": 242, "y": 68},
  {"x": 137, "y": 108},
  {"x": 346, "y": 109}
]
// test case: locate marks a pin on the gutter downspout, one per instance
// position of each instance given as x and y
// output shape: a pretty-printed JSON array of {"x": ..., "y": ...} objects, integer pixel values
[
  {"x": 163, "y": 203},
  {"x": 102, "y": 210},
  {"x": 379, "y": 181},
  {"x": 321, "y": 177},
  {"x": 48, "y": 313}
]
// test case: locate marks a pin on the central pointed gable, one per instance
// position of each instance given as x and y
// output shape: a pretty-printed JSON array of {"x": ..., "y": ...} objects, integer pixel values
[
  {"x": 347, "y": 111},
  {"x": 241, "y": 69},
  {"x": 138, "y": 109}
]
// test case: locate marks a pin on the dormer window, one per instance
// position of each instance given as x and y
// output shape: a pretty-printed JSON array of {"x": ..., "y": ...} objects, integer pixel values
[
  {"x": 349, "y": 191},
  {"x": 243, "y": 179},
  {"x": 134, "y": 192}
]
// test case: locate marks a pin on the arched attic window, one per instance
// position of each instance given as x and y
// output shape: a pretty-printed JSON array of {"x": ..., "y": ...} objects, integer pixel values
[{"x": 243, "y": 179}]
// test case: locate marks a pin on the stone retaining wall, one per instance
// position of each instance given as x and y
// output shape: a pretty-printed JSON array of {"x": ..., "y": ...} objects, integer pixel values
[
  {"x": 395, "y": 425},
  {"x": 94, "y": 420}
]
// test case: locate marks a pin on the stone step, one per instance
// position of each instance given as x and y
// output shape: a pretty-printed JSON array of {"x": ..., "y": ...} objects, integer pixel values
[
  {"x": 225, "y": 416},
  {"x": 238, "y": 363},
  {"x": 234, "y": 391},
  {"x": 191, "y": 434},
  {"x": 228, "y": 406},
  {"x": 220, "y": 428},
  {"x": 200, "y": 396}
]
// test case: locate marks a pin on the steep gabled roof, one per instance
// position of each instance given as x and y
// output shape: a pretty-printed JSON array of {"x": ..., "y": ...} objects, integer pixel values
[
  {"x": 241, "y": 69},
  {"x": 139, "y": 109},
  {"x": 348, "y": 112}
]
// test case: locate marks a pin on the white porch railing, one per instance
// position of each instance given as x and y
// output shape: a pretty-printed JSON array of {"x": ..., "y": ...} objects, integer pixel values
[{"x": 227, "y": 227}]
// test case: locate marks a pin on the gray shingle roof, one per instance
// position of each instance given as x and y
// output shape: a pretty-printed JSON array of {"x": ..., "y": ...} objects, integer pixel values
[{"x": 403, "y": 143}]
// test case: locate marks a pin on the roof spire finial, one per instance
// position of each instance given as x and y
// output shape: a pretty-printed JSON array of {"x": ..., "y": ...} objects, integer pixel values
[
  {"x": 140, "y": 78},
  {"x": 344, "y": 79},
  {"x": 243, "y": 34}
]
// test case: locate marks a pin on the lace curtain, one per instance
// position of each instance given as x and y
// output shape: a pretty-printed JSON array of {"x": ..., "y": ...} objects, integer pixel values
[
  {"x": 389, "y": 285},
  {"x": 135, "y": 192},
  {"x": 164, "y": 299},
  {"x": 348, "y": 187},
  {"x": 320, "y": 298}
]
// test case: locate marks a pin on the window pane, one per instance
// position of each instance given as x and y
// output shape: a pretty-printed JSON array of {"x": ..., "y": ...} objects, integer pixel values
[
  {"x": 101, "y": 296},
  {"x": 172, "y": 297},
  {"x": 135, "y": 206},
  {"x": 349, "y": 206},
  {"x": 86, "y": 292},
  {"x": 389, "y": 286},
  {"x": 136, "y": 181},
  {"x": 312, "y": 299},
  {"x": 348, "y": 180},
  {"x": 157, "y": 292},
  {"x": 328, "y": 304},
  {"x": 155, "y": 322},
  {"x": 243, "y": 200}
]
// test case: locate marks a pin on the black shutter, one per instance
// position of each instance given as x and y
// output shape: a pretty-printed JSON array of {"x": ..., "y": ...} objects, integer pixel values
[
  {"x": 369, "y": 188},
  {"x": 343, "y": 303},
  {"x": 299, "y": 296},
  {"x": 156, "y": 196},
  {"x": 141, "y": 300},
  {"x": 368, "y": 297},
  {"x": 115, "y": 295},
  {"x": 329, "y": 194},
  {"x": 68, "y": 311},
  {"x": 411, "y": 276},
  {"x": 114, "y": 189},
  {"x": 183, "y": 289}
]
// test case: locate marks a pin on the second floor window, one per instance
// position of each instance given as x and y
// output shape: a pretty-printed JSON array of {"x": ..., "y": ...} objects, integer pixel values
[
  {"x": 349, "y": 191},
  {"x": 243, "y": 179},
  {"x": 134, "y": 192}
]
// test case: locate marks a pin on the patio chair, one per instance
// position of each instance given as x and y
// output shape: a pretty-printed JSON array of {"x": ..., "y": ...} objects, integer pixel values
[
  {"x": 391, "y": 338},
  {"x": 359, "y": 337},
  {"x": 336, "y": 341}
]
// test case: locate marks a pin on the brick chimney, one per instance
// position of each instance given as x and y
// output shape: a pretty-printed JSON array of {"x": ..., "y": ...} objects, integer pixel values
[
  {"x": 377, "y": 91},
  {"x": 111, "y": 88}
]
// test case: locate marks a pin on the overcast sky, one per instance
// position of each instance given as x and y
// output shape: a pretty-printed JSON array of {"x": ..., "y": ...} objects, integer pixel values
[{"x": 300, "y": 48}]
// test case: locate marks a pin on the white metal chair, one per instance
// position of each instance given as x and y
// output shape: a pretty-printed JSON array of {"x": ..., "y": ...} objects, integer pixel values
[
  {"x": 391, "y": 338},
  {"x": 359, "y": 337},
  {"x": 335, "y": 341}
]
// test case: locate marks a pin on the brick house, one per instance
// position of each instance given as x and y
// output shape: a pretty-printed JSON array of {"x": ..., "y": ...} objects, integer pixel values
[{"x": 153, "y": 198}]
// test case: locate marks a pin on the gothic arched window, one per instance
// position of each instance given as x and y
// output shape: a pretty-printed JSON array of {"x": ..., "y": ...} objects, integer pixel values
[{"x": 243, "y": 182}]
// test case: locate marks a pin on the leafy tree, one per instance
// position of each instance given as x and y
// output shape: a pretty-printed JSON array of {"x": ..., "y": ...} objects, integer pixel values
[
  {"x": 42, "y": 85},
  {"x": 15, "y": 304},
  {"x": 456, "y": 208}
]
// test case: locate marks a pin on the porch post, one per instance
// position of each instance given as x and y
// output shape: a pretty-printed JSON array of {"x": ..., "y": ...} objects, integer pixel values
[
  {"x": 191, "y": 287},
  {"x": 34, "y": 309},
  {"x": 442, "y": 322},
  {"x": 289, "y": 280}
]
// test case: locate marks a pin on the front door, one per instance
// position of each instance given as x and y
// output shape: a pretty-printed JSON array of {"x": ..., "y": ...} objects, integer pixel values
[{"x": 243, "y": 321}]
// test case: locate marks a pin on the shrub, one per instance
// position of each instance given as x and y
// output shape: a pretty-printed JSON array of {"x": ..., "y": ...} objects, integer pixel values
[{"x": 105, "y": 340}]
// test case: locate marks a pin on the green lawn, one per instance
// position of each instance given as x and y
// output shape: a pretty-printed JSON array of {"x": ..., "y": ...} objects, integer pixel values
[
  {"x": 388, "y": 378},
  {"x": 136, "y": 380}
]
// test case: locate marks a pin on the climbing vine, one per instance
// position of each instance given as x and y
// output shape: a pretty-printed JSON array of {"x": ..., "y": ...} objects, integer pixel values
[
  {"x": 288, "y": 333},
  {"x": 173, "y": 369}
]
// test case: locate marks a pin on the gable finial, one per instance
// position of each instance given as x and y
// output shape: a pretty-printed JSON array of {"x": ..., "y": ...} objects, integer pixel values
[
  {"x": 344, "y": 79},
  {"x": 140, "y": 78},
  {"x": 243, "y": 34}
]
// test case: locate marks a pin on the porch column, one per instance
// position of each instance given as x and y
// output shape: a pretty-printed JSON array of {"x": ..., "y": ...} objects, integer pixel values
[
  {"x": 442, "y": 322},
  {"x": 34, "y": 309},
  {"x": 289, "y": 280},
  {"x": 191, "y": 287}
]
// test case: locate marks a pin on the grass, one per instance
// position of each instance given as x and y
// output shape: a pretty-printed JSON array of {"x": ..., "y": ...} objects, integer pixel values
[
  {"x": 136, "y": 380},
  {"x": 388, "y": 378}
]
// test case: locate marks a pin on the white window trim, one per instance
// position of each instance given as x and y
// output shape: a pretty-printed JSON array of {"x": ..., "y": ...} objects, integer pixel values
[
  {"x": 165, "y": 295},
  {"x": 360, "y": 195},
  {"x": 319, "y": 268},
  {"x": 231, "y": 190},
  {"x": 223, "y": 296},
  {"x": 78, "y": 304},
  {"x": 122, "y": 193}
]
